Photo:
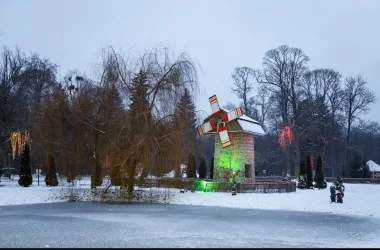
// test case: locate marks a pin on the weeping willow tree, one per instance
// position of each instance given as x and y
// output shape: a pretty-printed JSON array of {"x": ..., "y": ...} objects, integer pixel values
[{"x": 150, "y": 140}]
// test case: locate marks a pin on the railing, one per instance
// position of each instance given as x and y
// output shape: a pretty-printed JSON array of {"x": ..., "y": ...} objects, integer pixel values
[
  {"x": 207, "y": 185},
  {"x": 268, "y": 187},
  {"x": 355, "y": 180}
]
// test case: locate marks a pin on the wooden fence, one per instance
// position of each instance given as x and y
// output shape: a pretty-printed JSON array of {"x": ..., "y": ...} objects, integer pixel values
[
  {"x": 208, "y": 185},
  {"x": 355, "y": 180}
]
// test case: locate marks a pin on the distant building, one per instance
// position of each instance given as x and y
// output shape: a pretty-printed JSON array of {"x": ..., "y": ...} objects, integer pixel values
[{"x": 374, "y": 169}]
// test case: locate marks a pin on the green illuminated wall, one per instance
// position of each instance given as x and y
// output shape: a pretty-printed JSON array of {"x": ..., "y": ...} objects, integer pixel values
[{"x": 234, "y": 157}]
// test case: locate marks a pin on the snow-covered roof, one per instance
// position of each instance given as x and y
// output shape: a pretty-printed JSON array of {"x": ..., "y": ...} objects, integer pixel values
[
  {"x": 247, "y": 124},
  {"x": 250, "y": 125},
  {"x": 373, "y": 167}
]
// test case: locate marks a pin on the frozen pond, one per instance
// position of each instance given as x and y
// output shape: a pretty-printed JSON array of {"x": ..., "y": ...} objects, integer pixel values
[{"x": 88, "y": 224}]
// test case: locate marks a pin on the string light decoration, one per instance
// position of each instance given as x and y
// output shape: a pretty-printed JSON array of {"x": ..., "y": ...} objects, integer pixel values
[
  {"x": 18, "y": 142},
  {"x": 286, "y": 135}
]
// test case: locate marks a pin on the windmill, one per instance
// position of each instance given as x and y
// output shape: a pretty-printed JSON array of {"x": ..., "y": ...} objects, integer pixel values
[
  {"x": 219, "y": 121},
  {"x": 234, "y": 152}
]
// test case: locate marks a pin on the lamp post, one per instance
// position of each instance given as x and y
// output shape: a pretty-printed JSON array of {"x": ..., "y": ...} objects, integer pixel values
[{"x": 38, "y": 170}]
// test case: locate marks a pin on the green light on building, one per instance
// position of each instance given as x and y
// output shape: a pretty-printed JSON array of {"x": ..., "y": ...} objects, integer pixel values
[
  {"x": 205, "y": 186},
  {"x": 229, "y": 160}
]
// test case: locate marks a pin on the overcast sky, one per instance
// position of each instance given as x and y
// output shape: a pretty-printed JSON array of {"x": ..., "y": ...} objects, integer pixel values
[{"x": 219, "y": 35}]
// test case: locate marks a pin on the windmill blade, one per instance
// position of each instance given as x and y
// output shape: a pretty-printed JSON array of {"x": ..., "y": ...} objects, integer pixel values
[
  {"x": 224, "y": 138},
  {"x": 214, "y": 105},
  {"x": 206, "y": 127},
  {"x": 233, "y": 114}
]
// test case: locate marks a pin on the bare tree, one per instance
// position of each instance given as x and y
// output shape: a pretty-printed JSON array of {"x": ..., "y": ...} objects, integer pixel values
[
  {"x": 262, "y": 101},
  {"x": 356, "y": 101},
  {"x": 282, "y": 75},
  {"x": 243, "y": 79},
  {"x": 321, "y": 106},
  {"x": 229, "y": 106}
]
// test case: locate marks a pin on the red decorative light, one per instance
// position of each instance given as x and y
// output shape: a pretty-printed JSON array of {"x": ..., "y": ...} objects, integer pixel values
[{"x": 286, "y": 135}]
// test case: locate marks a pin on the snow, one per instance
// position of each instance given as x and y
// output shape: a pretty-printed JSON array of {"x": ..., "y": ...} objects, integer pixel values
[
  {"x": 170, "y": 174},
  {"x": 249, "y": 126},
  {"x": 373, "y": 167},
  {"x": 359, "y": 199}
]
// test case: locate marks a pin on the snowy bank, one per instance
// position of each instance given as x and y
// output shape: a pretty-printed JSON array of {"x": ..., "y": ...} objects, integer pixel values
[{"x": 359, "y": 199}]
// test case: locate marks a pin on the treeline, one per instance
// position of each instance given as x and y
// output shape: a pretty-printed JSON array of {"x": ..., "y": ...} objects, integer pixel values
[
  {"x": 322, "y": 108},
  {"x": 134, "y": 117}
]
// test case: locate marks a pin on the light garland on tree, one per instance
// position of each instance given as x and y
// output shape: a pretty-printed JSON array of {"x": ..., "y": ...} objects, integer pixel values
[
  {"x": 285, "y": 136},
  {"x": 18, "y": 142}
]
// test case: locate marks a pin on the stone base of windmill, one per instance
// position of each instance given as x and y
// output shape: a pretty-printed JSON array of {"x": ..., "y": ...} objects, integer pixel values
[
  {"x": 239, "y": 157},
  {"x": 224, "y": 175}
]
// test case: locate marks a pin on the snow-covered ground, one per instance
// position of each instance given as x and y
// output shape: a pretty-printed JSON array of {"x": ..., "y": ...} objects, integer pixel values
[{"x": 359, "y": 199}]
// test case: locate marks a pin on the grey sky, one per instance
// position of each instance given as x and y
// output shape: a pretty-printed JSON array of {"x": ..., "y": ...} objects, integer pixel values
[{"x": 219, "y": 35}]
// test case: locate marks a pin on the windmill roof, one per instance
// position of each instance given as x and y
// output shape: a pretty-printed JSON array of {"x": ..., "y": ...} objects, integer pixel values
[
  {"x": 373, "y": 167},
  {"x": 246, "y": 123},
  {"x": 250, "y": 125}
]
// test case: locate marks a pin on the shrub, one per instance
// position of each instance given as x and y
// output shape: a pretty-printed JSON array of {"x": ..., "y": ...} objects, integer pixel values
[
  {"x": 51, "y": 176},
  {"x": 25, "y": 171}
]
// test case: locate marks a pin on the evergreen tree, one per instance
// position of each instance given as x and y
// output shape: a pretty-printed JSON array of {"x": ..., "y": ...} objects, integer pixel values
[
  {"x": 212, "y": 168},
  {"x": 309, "y": 173},
  {"x": 141, "y": 119},
  {"x": 191, "y": 172},
  {"x": 139, "y": 106},
  {"x": 302, "y": 169},
  {"x": 365, "y": 172},
  {"x": 302, "y": 175},
  {"x": 203, "y": 168},
  {"x": 319, "y": 178},
  {"x": 51, "y": 176},
  {"x": 25, "y": 170},
  {"x": 186, "y": 121},
  {"x": 356, "y": 167}
]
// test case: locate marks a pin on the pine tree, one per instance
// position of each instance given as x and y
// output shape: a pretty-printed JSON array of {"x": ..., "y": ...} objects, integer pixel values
[
  {"x": 203, "y": 168},
  {"x": 51, "y": 176},
  {"x": 365, "y": 172},
  {"x": 356, "y": 167},
  {"x": 25, "y": 170},
  {"x": 212, "y": 168},
  {"x": 185, "y": 120},
  {"x": 302, "y": 169},
  {"x": 191, "y": 173},
  {"x": 139, "y": 106},
  {"x": 319, "y": 178},
  {"x": 309, "y": 173},
  {"x": 141, "y": 119}
]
